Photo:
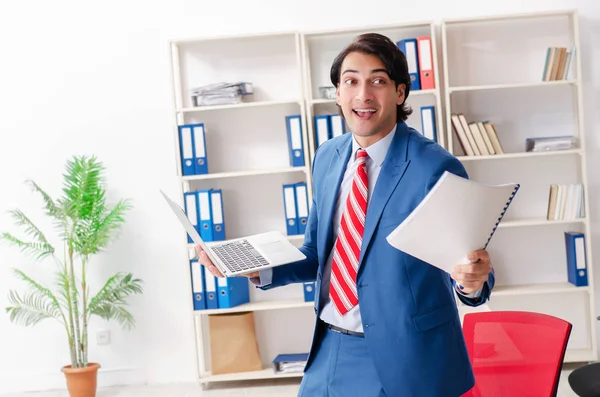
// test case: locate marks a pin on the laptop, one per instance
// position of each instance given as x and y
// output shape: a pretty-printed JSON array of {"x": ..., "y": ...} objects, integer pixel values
[{"x": 242, "y": 255}]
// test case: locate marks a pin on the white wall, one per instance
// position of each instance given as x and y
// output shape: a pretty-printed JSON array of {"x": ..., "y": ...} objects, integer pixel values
[{"x": 77, "y": 78}]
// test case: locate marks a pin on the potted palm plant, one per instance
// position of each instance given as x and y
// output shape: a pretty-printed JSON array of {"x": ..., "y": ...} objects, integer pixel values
[{"x": 85, "y": 226}]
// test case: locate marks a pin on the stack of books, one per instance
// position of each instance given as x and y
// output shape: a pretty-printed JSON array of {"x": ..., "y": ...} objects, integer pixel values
[
  {"x": 558, "y": 63},
  {"x": 565, "y": 202},
  {"x": 477, "y": 138}
]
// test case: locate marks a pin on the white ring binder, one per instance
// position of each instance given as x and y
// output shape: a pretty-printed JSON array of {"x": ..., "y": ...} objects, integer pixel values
[{"x": 517, "y": 186}]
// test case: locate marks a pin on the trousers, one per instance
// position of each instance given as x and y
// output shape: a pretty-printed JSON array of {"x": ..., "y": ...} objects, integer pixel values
[{"x": 342, "y": 367}]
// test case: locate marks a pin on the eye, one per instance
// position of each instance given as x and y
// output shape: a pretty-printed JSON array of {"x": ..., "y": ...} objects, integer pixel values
[
  {"x": 348, "y": 81},
  {"x": 379, "y": 80}
]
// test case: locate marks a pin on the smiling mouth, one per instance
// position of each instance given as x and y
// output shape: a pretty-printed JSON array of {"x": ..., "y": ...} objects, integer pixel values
[{"x": 364, "y": 114}]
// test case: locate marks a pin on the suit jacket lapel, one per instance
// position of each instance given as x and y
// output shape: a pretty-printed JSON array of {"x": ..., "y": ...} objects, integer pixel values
[
  {"x": 392, "y": 170},
  {"x": 337, "y": 168}
]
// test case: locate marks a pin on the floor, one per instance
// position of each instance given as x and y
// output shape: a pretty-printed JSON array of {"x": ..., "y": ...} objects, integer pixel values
[{"x": 269, "y": 388}]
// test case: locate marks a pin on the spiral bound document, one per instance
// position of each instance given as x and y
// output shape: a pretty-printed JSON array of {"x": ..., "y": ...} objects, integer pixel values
[{"x": 456, "y": 217}]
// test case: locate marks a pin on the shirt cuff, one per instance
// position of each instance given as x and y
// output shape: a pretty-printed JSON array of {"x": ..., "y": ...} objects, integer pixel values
[
  {"x": 472, "y": 295},
  {"x": 265, "y": 278}
]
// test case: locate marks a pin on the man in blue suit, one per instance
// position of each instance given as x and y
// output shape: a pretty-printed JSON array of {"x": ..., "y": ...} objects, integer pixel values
[{"x": 387, "y": 323}]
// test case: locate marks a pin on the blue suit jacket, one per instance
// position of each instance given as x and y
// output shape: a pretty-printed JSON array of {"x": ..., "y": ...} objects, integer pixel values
[{"x": 407, "y": 307}]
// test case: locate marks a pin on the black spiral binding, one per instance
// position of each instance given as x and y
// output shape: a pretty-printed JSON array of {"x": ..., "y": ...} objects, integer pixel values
[{"x": 502, "y": 214}]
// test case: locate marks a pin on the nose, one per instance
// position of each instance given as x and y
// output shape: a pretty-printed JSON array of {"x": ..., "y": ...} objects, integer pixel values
[{"x": 364, "y": 94}]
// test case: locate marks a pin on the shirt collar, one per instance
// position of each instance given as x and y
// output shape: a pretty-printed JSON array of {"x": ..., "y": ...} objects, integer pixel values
[{"x": 378, "y": 150}]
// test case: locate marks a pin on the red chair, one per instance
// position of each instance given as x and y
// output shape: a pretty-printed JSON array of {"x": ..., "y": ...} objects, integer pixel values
[{"x": 514, "y": 353}]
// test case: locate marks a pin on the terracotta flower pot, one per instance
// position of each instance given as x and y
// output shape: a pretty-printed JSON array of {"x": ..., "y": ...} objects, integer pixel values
[{"x": 81, "y": 382}]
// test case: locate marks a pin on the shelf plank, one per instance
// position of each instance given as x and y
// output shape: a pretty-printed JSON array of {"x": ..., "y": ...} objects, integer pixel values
[
  {"x": 234, "y": 37},
  {"x": 266, "y": 373},
  {"x": 538, "y": 222},
  {"x": 238, "y": 174},
  {"x": 535, "y": 289},
  {"x": 579, "y": 355},
  {"x": 322, "y": 101},
  {"x": 499, "y": 290},
  {"x": 333, "y": 32},
  {"x": 506, "y": 156},
  {"x": 510, "y": 85},
  {"x": 433, "y": 91},
  {"x": 411, "y": 94},
  {"x": 237, "y": 106},
  {"x": 508, "y": 18},
  {"x": 258, "y": 306}
]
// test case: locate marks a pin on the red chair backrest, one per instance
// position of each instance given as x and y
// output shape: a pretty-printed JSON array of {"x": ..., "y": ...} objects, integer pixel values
[{"x": 515, "y": 353}]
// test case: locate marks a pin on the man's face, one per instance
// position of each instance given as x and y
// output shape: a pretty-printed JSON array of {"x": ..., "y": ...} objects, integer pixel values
[{"x": 367, "y": 95}]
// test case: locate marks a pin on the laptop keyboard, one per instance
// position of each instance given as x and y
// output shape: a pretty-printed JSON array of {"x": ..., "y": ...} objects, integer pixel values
[{"x": 239, "y": 255}]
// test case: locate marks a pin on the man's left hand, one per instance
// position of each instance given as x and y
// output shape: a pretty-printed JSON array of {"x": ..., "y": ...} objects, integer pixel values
[{"x": 472, "y": 276}]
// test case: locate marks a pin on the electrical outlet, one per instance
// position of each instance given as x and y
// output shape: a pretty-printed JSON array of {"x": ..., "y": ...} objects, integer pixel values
[{"x": 103, "y": 337}]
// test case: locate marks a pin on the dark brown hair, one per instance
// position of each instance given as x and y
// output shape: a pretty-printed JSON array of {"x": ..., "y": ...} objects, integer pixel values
[{"x": 391, "y": 56}]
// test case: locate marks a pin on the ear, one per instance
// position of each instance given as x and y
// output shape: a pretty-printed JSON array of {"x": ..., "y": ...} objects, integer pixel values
[
  {"x": 337, "y": 93},
  {"x": 400, "y": 94}
]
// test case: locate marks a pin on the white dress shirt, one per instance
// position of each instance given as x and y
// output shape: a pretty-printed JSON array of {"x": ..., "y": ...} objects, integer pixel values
[{"x": 376, "y": 154}]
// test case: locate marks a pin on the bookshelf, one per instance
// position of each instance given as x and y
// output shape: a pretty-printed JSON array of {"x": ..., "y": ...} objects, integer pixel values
[
  {"x": 248, "y": 159},
  {"x": 493, "y": 71},
  {"x": 478, "y": 70}
]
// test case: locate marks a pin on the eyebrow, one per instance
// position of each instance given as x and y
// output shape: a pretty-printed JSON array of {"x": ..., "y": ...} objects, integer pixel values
[{"x": 372, "y": 71}]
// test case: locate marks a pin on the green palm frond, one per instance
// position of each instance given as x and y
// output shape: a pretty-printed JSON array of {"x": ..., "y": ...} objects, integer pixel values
[
  {"x": 101, "y": 229},
  {"x": 52, "y": 209},
  {"x": 117, "y": 313},
  {"x": 32, "y": 230},
  {"x": 81, "y": 184},
  {"x": 109, "y": 302},
  {"x": 88, "y": 222},
  {"x": 37, "y": 250},
  {"x": 43, "y": 291},
  {"x": 32, "y": 308}
]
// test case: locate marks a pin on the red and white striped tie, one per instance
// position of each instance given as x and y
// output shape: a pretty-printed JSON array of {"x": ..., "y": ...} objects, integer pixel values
[{"x": 346, "y": 250}]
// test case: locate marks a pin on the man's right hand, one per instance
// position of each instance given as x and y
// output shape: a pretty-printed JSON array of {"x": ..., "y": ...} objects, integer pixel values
[{"x": 207, "y": 263}]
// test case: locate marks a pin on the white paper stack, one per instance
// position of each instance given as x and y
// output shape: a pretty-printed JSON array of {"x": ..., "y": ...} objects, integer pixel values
[
  {"x": 221, "y": 93},
  {"x": 457, "y": 217}
]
